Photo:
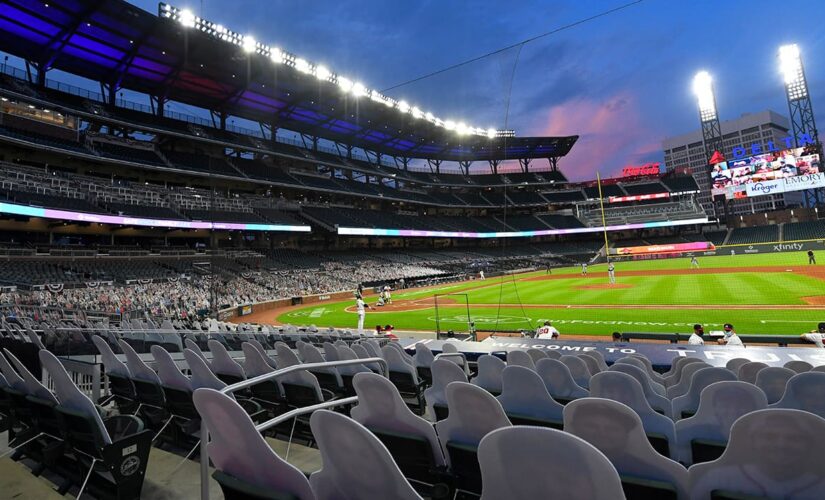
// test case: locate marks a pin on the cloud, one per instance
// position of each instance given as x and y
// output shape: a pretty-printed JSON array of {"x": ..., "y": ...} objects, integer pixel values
[{"x": 612, "y": 134}]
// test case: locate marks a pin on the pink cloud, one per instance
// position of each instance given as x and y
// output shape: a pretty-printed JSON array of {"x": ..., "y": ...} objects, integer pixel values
[{"x": 612, "y": 134}]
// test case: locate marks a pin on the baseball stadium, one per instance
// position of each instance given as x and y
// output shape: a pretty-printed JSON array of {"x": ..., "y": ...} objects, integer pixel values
[{"x": 261, "y": 250}]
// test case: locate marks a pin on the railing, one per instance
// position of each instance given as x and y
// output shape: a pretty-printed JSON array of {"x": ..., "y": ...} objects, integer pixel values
[{"x": 204, "y": 456}]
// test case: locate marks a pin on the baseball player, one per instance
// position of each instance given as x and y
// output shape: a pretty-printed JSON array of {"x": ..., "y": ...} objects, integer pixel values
[
  {"x": 611, "y": 273},
  {"x": 361, "y": 308},
  {"x": 481, "y": 275},
  {"x": 584, "y": 268},
  {"x": 547, "y": 331},
  {"x": 694, "y": 262}
]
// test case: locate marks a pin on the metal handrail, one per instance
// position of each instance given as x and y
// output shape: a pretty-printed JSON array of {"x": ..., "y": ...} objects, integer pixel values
[
  {"x": 272, "y": 422},
  {"x": 204, "y": 455}
]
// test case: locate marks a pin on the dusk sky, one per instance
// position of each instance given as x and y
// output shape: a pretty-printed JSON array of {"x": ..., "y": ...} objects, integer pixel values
[{"x": 621, "y": 82}]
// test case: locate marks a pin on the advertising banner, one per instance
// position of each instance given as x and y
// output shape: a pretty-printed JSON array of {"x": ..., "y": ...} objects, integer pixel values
[
  {"x": 638, "y": 197},
  {"x": 695, "y": 246}
]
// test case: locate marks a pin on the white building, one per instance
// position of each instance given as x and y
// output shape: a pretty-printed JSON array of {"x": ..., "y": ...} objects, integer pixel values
[{"x": 687, "y": 151}]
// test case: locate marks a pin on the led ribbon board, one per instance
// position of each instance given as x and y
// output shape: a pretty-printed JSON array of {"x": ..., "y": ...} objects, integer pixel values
[
  {"x": 696, "y": 246},
  {"x": 416, "y": 233},
  {"x": 48, "y": 213},
  {"x": 637, "y": 197}
]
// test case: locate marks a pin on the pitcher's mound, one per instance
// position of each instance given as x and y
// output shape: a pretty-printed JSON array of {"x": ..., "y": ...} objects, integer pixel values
[{"x": 604, "y": 286}]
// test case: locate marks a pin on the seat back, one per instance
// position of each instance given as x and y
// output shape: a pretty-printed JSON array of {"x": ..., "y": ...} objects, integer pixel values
[
  {"x": 423, "y": 356},
  {"x": 681, "y": 387},
  {"x": 13, "y": 379},
  {"x": 313, "y": 355},
  {"x": 559, "y": 381},
  {"x": 111, "y": 363},
  {"x": 254, "y": 363},
  {"x": 194, "y": 347},
  {"x": 772, "y": 380},
  {"x": 490, "y": 369},
  {"x": 473, "y": 414},
  {"x": 381, "y": 408},
  {"x": 202, "y": 376},
  {"x": 804, "y": 391},
  {"x": 591, "y": 362},
  {"x": 525, "y": 396},
  {"x": 286, "y": 356},
  {"x": 222, "y": 362},
  {"x": 673, "y": 377},
  {"x": 398, "y": 365},
  {"x": 362, "y": 353},
  {"x": 346, "y": 353},
  {"x": 799, "y": 366},
  {"x": 73, "y": 400},
  {"x": 578, "y": 369},
  {"x": 257, "y": 345},
  {"x": 536, "y": 354},
  {"x": 748, "y": 371},
  {"x": 331, "y": 352},
  {"x": 598, "y": 357},
  {"x": 340, "y": 439},
  {"x": 773, "y": 453},
  {"x": 137, "y": 368},
  {"x": 514, "y": 462},
  {"x": 734, "y": 364},
  {"x": 168, "y": 372},
  {"x": 617, "y": 431},
  {"x": 686, "y": 405},
  {"x": 720, "y": 405},
  {"x": 444, "y": 373},
  {"x": 657, "y": 401},
  {"x": 32, "y": 385},
  {"x": 520, "y": 358},
  {"x": 237, "y": 449},
  {"x": 625, "y": 389}
]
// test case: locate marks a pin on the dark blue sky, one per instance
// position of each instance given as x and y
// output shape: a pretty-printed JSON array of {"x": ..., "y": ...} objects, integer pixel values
[{"x": 621, "y": 82}]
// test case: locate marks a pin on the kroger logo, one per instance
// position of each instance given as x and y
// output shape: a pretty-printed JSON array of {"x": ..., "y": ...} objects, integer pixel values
[{"x": 764, "y": 188}]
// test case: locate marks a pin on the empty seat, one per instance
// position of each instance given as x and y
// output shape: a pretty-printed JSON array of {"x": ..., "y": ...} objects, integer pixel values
[
  {"x": 672, "y": 377},
  {"x": 120, "y": 382},
  {"x": 526, "y": 401},
  {"x": 148, "y": 389},
  {"x": 773, "y": 453},
  {"x": 578, "y": 369},
  {"x": 202, "y": 376},
  {"x": 598, "y": 357},
  {"x": 423, "y": 359},
  {"x": 348, "y": 450},
  {"x": 655, "y": 382},
  {"x": 474, "y": 413},
  {"x": 410, "y": 439},
  {"x": 514, "y": 465},
  {"x": 328, "y": 377},
  {"x": 704, "y": 436},
  {"x": 799, "y": 366},
  {"x": 348, "y": 372},
  {"x": 617, "y": 431},
  {"x": 267, "y": 392},
  {"x": 246, "y": 467},
  {"x": 405, "y": 377},
  {"x": 225, "y": 368},
  {"x": 592, "y": 364},
  {"x": 627, "y": 390},
  {"x": 115, "y": 451},
  {"x": 444, "y": 373},
  {"x": 654, "y": 375},
  {"x": 520, "y": 358},
  {"x": 685, "y": 406},
  {"x": 772, "y": 380},
  {"x": 536, "y": 354},
  {"x": 559, "y": 381},
  {"x": 736, "y": 363},
  {"x": 658, "y": 402},
  {"x": 748, "y": 371},
  {"x": 804, "y": 391},
  {"x": 451, "y": 348},
  {"x": 681, "y": 387},
  {"x": 195, "y": 348},
  {"x": 489, "y": 373}
]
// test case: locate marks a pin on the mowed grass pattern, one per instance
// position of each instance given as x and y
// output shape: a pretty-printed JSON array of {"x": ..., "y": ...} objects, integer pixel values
[{"x": 704, "y": 298}]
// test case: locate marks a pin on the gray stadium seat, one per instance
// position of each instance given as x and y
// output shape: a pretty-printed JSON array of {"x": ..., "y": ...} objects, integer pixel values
[
  {"x": 658, "y": 402},
  {"x": 225, "y": 368},
  {"x": 799, "y": 366},
  {"x": 592, "y": 364},
  {"x": 423, "y": 360},
  {"x": 520, "y": 358},
  {"x": 341, "y": 440},
  {"x": 681, "y": 387},
  {"x": 202, "y": 376},
  {"x": 559, "y": 381},
  {"x": 655, "y": 382},
  {"x": 490, "y": 369},
  {"x": 246, "y": 467},
  {"x": 617, "y": 431},
  {"x": 748, "y": 371},
  {"x": 526, "y": 401},
  {"x": 598, "y": 357},
  {"x": 444, "y": 373},
  {"x": 536, "y": 354},
  {"x": 773, "y": 453},
  {"x": 578, "y": 369},
  {"x": 685, "y": 406},
  {"x": 772, "y": 380},
  {"x": 705, "y": 435},
  {"x": 627, "y": 390},
  {"x": 672, "y": 377},
  {"x": 735, "y": 364},
  {"x": 514, "y": 465},
  {"x": 804, "y": 391}
]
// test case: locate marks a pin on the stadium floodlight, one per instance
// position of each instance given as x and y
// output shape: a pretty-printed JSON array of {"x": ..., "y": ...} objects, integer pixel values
[
  {"x": 345, "y": 84},
  {"x": 449, "y": 125},
  {"x": 790, "y": 63},
  {"x": 186, "y": 18},
  {"x": 703, "y": 88},
  {"x": 249, "y": 44},
  {"x": 358, "y": 89},
  {"x": 322, "y": 73},
  {"x": 491, "y": 133}
]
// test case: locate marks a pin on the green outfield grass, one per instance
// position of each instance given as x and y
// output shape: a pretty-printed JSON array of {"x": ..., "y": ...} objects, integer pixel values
[{"x": 666, "y": 302}]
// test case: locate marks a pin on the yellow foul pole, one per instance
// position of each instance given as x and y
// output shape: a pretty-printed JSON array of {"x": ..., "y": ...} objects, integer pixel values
[{"x": 604, "y": 225}]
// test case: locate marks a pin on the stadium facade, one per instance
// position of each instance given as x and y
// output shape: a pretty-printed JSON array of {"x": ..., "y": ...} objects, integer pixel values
[{"x": 687, "y": 151}]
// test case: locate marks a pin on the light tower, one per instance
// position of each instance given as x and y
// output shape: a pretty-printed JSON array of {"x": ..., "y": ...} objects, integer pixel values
[
  {"x": 800, "y": 107},
  {"x": 711, "y": 131}
]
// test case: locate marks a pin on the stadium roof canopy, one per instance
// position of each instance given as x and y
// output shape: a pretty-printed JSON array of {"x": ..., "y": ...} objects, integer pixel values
[{"x": 122, "y": 46}]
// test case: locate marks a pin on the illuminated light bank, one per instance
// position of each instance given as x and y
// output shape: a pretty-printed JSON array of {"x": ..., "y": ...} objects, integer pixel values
[
  {"x": 367, "y": 231},
  {"x": 48, "y": 213}
]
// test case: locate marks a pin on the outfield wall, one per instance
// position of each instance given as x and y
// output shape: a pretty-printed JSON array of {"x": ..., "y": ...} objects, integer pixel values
[{"x": 739, "y": 249}]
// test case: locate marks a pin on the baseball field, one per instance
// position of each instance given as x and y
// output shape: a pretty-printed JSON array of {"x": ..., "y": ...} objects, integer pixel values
[{"x": 765, "y": 293}]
